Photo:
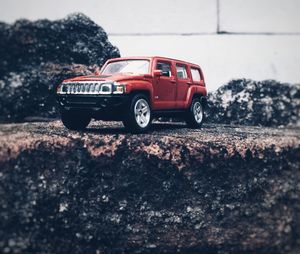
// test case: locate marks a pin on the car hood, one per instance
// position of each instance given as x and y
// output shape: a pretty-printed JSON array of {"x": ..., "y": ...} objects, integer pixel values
[{"x": 109, "y": 78}]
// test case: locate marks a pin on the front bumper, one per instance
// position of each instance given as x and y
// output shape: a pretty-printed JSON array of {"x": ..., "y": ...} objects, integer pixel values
[{"x": 92, "y": 102}]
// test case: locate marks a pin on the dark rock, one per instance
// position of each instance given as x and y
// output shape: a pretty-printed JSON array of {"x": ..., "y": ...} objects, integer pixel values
[
  {"x": 32, "y": 92},
  {"x": 248, "y": 102},
  {"x": 36, "y": 56},
  {"x": 218, "y": 190}
]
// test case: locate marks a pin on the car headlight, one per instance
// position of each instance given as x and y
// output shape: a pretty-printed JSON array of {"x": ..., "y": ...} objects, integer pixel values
[
  {"x": 115, "y": 88},
  {"x": 119, "y": 88},
  {"x": 106, "y": 88}
]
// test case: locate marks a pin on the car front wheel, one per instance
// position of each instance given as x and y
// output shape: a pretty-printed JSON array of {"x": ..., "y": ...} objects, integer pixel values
[
  {"x": 195, "y": 114},
  {"x": 138, "y": 118},
  {"x": 75, "y": 120}
]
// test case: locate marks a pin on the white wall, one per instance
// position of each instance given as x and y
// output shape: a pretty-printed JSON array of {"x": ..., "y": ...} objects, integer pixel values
[
  {"x": 262, "y": 40},
  {"x": 224, "y": 57},
  {"x": 260, "y": 16}
]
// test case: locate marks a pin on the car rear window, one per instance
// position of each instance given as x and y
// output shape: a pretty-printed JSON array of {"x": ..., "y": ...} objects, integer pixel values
[{"x": 196, "y": 75}]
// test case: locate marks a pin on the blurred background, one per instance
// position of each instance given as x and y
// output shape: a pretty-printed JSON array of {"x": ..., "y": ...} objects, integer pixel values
[{"x": 257, "y": 39}]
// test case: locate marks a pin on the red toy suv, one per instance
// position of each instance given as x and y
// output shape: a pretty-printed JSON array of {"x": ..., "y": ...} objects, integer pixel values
[{"x": 135, "y": 90}]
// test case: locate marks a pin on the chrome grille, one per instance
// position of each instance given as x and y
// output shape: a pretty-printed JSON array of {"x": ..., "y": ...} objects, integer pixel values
[{"x": 82, "y": 88}]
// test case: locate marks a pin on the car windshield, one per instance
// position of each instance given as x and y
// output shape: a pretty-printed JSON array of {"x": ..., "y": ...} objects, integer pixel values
[{"x": 127, "y": 66}]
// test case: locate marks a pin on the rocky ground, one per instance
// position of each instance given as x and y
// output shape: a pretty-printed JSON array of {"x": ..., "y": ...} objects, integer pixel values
[{"x": 221, "y": 189}]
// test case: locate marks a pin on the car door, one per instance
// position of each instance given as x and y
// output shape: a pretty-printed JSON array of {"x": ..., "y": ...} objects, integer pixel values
[
  {"x": 183, "y": 83},
  {"x": 164, "y": 87}
]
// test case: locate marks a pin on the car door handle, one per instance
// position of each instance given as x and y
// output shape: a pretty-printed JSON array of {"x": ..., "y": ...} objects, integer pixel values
[
  {"x": 189, "y": 83},
  {"x": 173, "y": 80}
]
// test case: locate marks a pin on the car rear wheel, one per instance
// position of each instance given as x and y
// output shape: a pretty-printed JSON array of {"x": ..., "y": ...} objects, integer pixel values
[
  {"x": 195, "y": 114},
  {"x": 138, "y": 118},
  {"x": 75, "y": 120}
]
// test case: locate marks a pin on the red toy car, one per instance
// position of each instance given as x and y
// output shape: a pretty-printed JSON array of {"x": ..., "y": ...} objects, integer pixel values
[{"x": 135, "y": 90}]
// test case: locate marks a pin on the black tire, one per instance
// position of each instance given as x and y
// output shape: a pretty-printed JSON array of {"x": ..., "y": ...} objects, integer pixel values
[
  {"x": 75, "y": 120},
  {"x": 140, "y": 122},
  {"x": 195, "y": 114}
]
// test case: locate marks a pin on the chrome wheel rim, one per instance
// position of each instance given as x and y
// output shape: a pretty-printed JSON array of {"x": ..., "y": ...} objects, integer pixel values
[
  {"x": 198, "y": 112},
  {"x": 142, "y": 113}
]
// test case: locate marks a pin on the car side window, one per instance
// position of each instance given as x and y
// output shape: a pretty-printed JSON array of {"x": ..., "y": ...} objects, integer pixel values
[
  {"x": 181, "y": 72},
  {"x": 165, "y": 67},
  {"x": 196, "y": 75}
]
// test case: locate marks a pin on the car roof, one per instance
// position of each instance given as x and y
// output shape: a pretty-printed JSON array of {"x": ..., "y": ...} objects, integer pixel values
[{"x": 152, "y": 57}]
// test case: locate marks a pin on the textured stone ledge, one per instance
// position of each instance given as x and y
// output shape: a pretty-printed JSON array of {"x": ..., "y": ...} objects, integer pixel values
[{"x": 221, "y": 189}]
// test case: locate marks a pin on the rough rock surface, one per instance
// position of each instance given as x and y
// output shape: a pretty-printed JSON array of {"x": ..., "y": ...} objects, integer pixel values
[
  {"x": 221, "y": 189},
  {"x": 248, "y": 102},
  {"x": 36, "y": 56}
]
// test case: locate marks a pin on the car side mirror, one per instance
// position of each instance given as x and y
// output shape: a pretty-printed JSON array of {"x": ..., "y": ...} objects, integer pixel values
[{"x": 157, "y": 73}]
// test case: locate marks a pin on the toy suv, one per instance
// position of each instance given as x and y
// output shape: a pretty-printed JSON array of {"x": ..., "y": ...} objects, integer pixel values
[{"x": 135, "y": 90}]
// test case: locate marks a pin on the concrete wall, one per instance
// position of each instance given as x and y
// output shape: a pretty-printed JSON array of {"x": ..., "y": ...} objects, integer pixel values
[{"x": 258, "y": 39}]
